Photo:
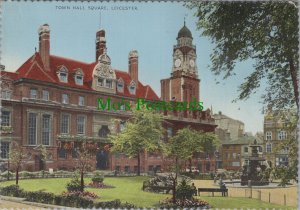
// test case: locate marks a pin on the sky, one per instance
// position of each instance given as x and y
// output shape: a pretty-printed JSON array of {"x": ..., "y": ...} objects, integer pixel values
[{"x": 149, "y": 27}]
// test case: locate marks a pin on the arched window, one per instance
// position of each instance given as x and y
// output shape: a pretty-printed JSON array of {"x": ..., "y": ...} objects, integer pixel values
[
  {"x": 78, "y": 77},
  {"x": 62, "y": 74},
  {"x": 103, "y": 131},
  {"x": 120, "y": 85},
  {"x": 132, "y": 87}
]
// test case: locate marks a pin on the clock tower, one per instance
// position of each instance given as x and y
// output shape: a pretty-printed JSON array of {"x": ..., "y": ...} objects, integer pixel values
[{"x": 183, "y": 85}]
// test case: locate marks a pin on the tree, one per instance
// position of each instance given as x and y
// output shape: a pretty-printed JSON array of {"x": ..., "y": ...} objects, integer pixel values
[
  {"x": 142, "y": 133},
  {"x": 185, "y": 144},
  {"x": 265, "y": 31},
  {"x": 84, "y": 162},
  {"x": 16, "y": 157}
]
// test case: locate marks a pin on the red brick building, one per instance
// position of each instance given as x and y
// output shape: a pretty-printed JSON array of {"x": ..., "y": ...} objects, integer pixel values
[{"x": 52, "y": 101}]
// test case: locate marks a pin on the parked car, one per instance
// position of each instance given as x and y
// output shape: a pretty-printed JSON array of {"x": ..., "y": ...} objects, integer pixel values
[{"x": 194, "y": 169}]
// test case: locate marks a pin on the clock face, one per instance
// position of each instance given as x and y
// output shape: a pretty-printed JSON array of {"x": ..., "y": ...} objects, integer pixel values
[
  {"x": 177, "y": 62},
  {"x": 192, "y": 63}
]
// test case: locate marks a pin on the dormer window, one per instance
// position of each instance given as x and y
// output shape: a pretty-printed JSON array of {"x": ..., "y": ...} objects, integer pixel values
[
  {"x": 120, "y": 85},
  {"x": 132, "y": 87},
  {"x": 63, "y": 74},
  {"x": 100, "y": 82},
  {"x": 79, "y": 77}
]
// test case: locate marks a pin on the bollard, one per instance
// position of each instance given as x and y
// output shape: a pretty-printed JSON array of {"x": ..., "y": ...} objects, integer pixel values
[
  {"x": 284, "y": 200},
  {"x": 269, "y": 197}
]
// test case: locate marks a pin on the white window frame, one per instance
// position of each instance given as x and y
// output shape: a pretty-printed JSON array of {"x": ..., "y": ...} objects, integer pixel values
[
  {"x": 4, "y": 150},
  {"x": 79, "y": 124},
  {"x": 9, "y": 117},
  {"x": 282, "y": 135},
  {"x": 100, "y": 84},
  {"x": 65, "y": 100},
  {"x": 46, "y": 130},
  {"x": 31, "y": 95},
  {"x": 34, "y": 129},
  {"x": 6, "y": 94},
  {"x": 81, "y": 100},
  {"x": 120, "y": 85},
  {"x": 269, "y": 135},
  {"x": 109, "y": 81},
  {"x": 268, "y": 149},
  {"x": 62, "y": 126},
  {"x": 46, "y": 95}
]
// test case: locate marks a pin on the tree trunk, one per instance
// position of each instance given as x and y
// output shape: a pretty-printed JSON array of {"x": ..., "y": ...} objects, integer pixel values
[
  {"x": 294, "y": 80},
  {"x": 81, "y": 181},
  {"x": 175, "y": 180},
  {"x": 190, "y": 162},
  {"x": 139, "y": 164},
  {"x": 17, "y": 176}
]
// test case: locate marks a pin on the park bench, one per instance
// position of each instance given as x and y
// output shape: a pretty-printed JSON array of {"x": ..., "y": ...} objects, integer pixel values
[{"x": 213, "y": 190}]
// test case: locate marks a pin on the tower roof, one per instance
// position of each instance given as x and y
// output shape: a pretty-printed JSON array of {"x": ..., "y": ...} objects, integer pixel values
[{"x": 184, "y": 32}]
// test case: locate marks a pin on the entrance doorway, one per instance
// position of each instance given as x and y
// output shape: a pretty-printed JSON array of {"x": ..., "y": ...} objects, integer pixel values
[{"x": 102, "y": 160}]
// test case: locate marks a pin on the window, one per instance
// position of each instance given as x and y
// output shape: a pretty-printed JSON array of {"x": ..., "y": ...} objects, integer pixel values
[
  {"x": 118, "y": 168},
  {"x": 65, "y": 98},
  {"x": 46, "y": 129},
  {"x": 100, "y": 82},
  {"x": 108, "y": 83},
  {"x": 46, "y": 95},
  {"x": 127, "y": 169},
  {"x": 170, "y": 132},
  {"x": 62, "y": 153},
  {"x": 234, "y": 155},
  {"x": 65, "y": 122},
  {"x": 4, "y": 150},
  {"x": 120, "y": 85},
  {"x": 6, "y": 94},
  {"x": 5, "y": 118},
  {"x": 63, "y": 76},
  {"x": 33, "y": 93},
  {"x": 74, "y": 153},
  {"x": 80, "y": 124},
  {"x": 81, "y": 101},
  {"x": 282, "y": 161},
  {"x": 246, "y": 149},
  {"x": 79, "y": 79},
  {"x": 282, "y": 135},
  {"x": 268, "y": 148},
  {"x": 104, "y": 131},
  {"x": 132, "y": 87},
  {"x": 268, "y": 135},
  {"x": 268, "y": 124},
  {"x": 32, "y": 128}
]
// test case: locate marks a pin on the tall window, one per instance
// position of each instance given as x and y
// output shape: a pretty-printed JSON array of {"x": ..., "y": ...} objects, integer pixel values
[
  {"x": 268, "y": 148},
  {"x": 32, "y": 128},
  {"x": 268, "y": 135},
  {"x": 46, "y": 129},
  {"x": 33, "y": 93},
  {"x": 63, "y": 76},
  {"x": 245, "y": 149},
  {"x": 120, "y": 85},
  {"x": 65, "y": 98},
  {"x": 5, "y": 118},
  {"x": 6, "y": 94},
  {"x": 108, "y": 83},
  {"x": 80, "y": 124},
  {"x": 65, "y": 122},
  {"x": 81, "y": 101},
  {"x": 4, "y": 150},
  {"x": 282, "y": 135},
  {"x": 46, "y": 95}
]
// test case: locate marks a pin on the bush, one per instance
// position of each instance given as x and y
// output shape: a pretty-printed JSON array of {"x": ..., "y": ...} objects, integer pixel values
[
  {"x": 184, "y": 191},
  {"x": 185, "y": 203},
  {"x": 40, "y": 197},
  {"x": 74, "y": 184},
  {"x": 98, "y": 177},
  {"x": 12, "y": 190},
  {"x": 11, "y": 174},
  {"x": 114, "y": 204}
]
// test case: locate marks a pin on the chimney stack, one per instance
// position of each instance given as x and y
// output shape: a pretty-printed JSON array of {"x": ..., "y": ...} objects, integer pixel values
[
  {"x": 100, "y": 43},
  {"x": 133, "y": 67},
  {"x": 44, "y": 45}
]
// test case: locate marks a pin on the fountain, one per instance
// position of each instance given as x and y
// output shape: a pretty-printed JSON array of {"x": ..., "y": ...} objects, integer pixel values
[{"x": 253, "y": 172}]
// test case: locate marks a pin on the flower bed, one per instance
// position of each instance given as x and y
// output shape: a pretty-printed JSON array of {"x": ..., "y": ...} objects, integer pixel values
[
  {"x": 184, "y": 203},
  {"x": 99, "y": 185}
]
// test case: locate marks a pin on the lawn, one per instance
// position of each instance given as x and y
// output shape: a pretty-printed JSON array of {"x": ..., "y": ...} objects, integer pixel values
[{"x": 129, "y": 189}]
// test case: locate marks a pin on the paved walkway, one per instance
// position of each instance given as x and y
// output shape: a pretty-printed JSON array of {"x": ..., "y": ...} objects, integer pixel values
[{"x": 10, "y": 204}]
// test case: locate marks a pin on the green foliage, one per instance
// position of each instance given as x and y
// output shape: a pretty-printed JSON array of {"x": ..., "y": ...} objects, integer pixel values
[
  {"x": 40, "y": 197},
  {"x": 74, "y": 184},
  {"x": 12, "y": 190},
  {"x": 98, "y": 177},
  {"x": 115, "y": 204},
  {"x": 184, "y": 190},
  {"x": 265, "y": 31},
  {"x": 142, "y": 132},
  {"x": 285, "y": 174}
]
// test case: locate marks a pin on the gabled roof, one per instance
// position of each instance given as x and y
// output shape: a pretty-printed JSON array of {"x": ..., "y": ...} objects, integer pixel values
[{"x": 34, "y": 69}]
